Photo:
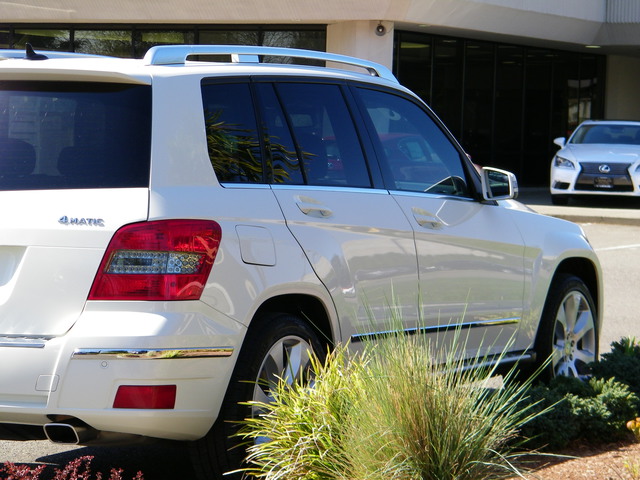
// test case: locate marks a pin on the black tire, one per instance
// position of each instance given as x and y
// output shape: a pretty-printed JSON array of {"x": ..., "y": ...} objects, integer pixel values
[
  {"x": 274, "y": 335},
  {"x": 568, "y": 330},
  {"x": 560, "y": 199}
]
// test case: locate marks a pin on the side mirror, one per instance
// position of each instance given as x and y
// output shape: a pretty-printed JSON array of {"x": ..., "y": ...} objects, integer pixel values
[
  {"x": 560, "y": 141},
  {"x": 498, "y": 184}
]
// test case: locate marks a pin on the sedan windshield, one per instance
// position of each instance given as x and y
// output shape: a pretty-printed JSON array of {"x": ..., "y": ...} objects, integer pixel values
[{"x": 608, "y": 134}]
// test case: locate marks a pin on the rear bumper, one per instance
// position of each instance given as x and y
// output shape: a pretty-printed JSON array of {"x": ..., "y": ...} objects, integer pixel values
[{"x": 76, "y": 376}]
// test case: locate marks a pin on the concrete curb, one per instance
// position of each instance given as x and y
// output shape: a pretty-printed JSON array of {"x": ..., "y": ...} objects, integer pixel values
[{"x": 606, "y": 210}]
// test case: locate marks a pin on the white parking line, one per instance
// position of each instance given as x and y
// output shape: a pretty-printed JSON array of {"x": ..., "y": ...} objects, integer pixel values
[{"x": 621, "y": 247}]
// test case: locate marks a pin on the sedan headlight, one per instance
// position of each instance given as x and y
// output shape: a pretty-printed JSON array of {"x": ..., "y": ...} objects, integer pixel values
[{"x": 563, "y": 163}]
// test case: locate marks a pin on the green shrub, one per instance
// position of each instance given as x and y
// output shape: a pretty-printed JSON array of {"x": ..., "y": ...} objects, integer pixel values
[
  {"x": 393, "y": 412},
  {"x": 554, "y": 426},
  {"x": 621, "y": 363},
  {"x": 593, "y": 411}
]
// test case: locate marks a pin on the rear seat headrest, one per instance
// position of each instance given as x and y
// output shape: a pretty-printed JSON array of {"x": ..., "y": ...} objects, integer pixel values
[{"x": 17, "y": 157}]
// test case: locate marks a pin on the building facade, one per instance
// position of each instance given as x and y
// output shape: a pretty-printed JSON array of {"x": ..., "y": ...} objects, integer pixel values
[{"x": 506, "y": 76}]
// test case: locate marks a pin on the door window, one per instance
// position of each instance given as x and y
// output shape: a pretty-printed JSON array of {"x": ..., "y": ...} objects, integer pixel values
[
  {"x": 284, "y": 163},
  {"x": 416, "y": 155},
  {"x": 326, "y": 142}
]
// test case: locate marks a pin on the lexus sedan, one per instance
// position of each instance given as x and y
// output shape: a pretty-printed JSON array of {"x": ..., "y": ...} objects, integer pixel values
[{"x": 601, "y": 157}]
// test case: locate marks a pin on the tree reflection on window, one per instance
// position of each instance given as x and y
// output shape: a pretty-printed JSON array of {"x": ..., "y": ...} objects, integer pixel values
[
  {"x": 284, "y": 162},
  {"x": 234, "y": 151}
]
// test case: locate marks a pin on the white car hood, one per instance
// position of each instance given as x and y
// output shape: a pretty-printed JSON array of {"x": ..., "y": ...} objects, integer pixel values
[{"x": 596, "y": 153}]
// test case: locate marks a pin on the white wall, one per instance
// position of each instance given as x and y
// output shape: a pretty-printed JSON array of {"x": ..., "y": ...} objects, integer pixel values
[
  {"x": 359, "y": 39},
  {"x": 622, "y": 97}
]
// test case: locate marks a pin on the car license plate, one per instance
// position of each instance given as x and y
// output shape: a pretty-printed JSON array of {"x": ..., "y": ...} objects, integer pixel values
[{"x": 603, "y": 182}]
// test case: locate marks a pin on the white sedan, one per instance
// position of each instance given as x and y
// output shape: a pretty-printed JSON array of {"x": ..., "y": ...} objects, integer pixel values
[{"x": 601, "y": 157}]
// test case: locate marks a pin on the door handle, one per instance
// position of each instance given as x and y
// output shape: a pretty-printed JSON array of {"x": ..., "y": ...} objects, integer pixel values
[
  {"x": 313, "y": 208},
  {"x": 426, "y": 219}
]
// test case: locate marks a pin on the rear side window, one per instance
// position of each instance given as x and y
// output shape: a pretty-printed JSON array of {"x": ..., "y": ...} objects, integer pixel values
[
  {"x": 416, "y": 155},
  {"x": 57, "y": 135},
  {"x": 326, "y": 142},
  {"x": 307, "y": 132},
  {"x": 283, "y": 158},
  {"x": 232, "y": 133}
]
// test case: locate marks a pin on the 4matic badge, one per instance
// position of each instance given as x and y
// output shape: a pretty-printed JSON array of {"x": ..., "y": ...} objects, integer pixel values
[{"x": 89, "y": 222}]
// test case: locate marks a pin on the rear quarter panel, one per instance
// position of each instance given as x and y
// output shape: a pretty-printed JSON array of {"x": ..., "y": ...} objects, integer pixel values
[{"x": 184, "y": 185}]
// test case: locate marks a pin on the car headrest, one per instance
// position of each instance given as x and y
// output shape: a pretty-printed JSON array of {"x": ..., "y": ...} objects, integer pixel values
[{"x": 17, "y": 157}]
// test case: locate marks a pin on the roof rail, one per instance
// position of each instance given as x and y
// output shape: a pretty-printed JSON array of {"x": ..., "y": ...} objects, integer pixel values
[
  {"x": 178, "y": 54},
  {"x": 12, "y": 53}
]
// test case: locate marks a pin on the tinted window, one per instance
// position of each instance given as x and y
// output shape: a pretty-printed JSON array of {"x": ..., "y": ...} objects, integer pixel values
[
  {"x": 285, "y": 167},
  {"x": 74, "y": 135},
  {"x": 416, "y": 154},
  {"x": 608, "y": 133},
  {"x": 322, "y": 129},
  {"x": 232, "y": 136}
]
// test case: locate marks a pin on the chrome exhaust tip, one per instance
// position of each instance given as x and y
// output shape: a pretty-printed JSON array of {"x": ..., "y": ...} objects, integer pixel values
[{"x": 69, "y": 434}]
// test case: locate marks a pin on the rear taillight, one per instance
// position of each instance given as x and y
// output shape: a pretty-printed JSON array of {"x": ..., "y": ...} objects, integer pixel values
[
  {"x": 146, "y": 396},
  {"x": 160, "y": 260}
]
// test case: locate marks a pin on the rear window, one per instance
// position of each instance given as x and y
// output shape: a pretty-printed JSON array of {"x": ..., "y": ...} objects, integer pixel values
[{"x": 58, "y": 135}]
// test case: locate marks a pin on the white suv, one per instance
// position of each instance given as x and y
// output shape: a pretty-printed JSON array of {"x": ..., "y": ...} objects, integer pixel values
[{"x": 178, "y": 230}]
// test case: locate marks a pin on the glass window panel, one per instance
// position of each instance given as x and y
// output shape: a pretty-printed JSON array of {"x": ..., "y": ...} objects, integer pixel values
[
  {"x": 565, "y": 67},
  {"x": 43, "y": 39},
  {"x": 508, "y": 107},
  {"x": 145, "y": 39},
  {"x": 477, "y": 128},
  {"x": 447, "y": 82},
  {"x": 597, "y": 104},
  {"x": 116, "y": 43},
  {"x": 229, "y": 37},
  {"x": 232, "y": 133},
  {"x": 538, "y": 145},
  {"x": 5, "y": 39},
  {"x": 325, "y": 136},
  {"x": 416, "y": 154},
  {"x": 285, "y": 167},
  {"x": 74, "y": 135},
  {"x": 414, "y": 64},
  {"x": 305, "y": 39},
  {"x": 588, "y": 87}
]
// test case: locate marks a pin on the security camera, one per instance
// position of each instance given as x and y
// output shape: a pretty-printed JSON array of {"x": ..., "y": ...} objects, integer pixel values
[{"x": 380, "y": 30}]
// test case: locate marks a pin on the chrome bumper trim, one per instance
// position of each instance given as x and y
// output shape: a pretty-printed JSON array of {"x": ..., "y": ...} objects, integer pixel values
[
  {"x": 150, "y": 353},
  {"x": 359, "y": 337},
  {"x": 23, "y": 342}
]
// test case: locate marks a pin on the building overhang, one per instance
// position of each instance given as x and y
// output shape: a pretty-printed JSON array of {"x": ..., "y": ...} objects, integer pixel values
[{"x": 569, "y": 24}]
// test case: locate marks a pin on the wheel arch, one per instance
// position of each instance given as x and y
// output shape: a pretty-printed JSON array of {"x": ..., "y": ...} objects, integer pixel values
[
  {"x": 307, "y": 307},
  {"x": 588, "y": 272}
]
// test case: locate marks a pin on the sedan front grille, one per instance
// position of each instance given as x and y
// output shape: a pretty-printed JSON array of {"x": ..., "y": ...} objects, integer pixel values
[
  {"x": 593, "y": 178},
  {"x": 592, "y": 168}
]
